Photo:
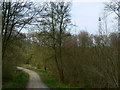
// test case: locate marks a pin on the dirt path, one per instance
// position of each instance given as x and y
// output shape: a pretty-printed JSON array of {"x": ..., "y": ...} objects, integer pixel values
[{"x": 34, "y": 79}]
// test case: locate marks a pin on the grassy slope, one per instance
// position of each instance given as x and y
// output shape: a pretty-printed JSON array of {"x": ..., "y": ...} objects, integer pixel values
[
  {"x": 19, "y": 80},
  {"x": 49, "y": 79}
]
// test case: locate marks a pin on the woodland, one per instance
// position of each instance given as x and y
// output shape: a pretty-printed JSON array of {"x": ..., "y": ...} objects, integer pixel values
[{"x": 84, "y": 59}]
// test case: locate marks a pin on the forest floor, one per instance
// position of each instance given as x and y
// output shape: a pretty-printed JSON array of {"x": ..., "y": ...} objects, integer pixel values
[{"x": 34, "y": 79}]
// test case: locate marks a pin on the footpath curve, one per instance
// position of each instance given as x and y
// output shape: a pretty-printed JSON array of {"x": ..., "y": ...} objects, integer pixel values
[{"x": 34, "y": 79}]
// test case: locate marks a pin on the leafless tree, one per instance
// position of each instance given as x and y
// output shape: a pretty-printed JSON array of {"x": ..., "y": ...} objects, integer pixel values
[
  {"x": 55, "y": 21},
  {"x": 16, "y": 16}
]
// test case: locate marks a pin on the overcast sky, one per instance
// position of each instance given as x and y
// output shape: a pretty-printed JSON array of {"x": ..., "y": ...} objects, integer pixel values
[{"x": 85, "y": 15}]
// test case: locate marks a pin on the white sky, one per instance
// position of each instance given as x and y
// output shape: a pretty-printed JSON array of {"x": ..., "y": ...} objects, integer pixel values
[{"x": 85, "y": 15}]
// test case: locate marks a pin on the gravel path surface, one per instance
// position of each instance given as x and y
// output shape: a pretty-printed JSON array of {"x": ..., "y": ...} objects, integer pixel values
[{"x": 34, "y": 79}]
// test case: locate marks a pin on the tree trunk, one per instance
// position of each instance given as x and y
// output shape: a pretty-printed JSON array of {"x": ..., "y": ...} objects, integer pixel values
[
  {"x": 57, "y": 64},
  {"x": 61, "y": 64},
  {"x": 119, "y": 44},
  {"x": 60, "y": 50},
  {"x": 0, "y": 50}
]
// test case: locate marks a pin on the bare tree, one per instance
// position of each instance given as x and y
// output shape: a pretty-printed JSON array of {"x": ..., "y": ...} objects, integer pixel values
[
  {"x": 16, "y": 16},
  {"x": 114, "y": 6},
  {"x": 55, "y": 21}
]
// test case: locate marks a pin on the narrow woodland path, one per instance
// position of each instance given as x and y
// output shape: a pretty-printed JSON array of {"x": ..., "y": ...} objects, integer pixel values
[{"x": 34, "y": 79}]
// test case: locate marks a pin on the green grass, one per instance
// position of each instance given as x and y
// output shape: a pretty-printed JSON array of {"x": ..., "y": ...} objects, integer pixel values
[
  {"x": 49, "y": 79},
  {"x": 19, "y": 80}
]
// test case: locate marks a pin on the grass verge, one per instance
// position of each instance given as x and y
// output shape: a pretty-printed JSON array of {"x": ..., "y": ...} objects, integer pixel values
[
  {"x": 49, "y": 79},
  {"x": 19, "y": 80}
]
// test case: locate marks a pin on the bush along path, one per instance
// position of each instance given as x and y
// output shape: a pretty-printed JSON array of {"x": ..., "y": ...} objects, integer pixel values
[
  {"x": 34, "y": 79},
  {"x": 49, "y": 79}
]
